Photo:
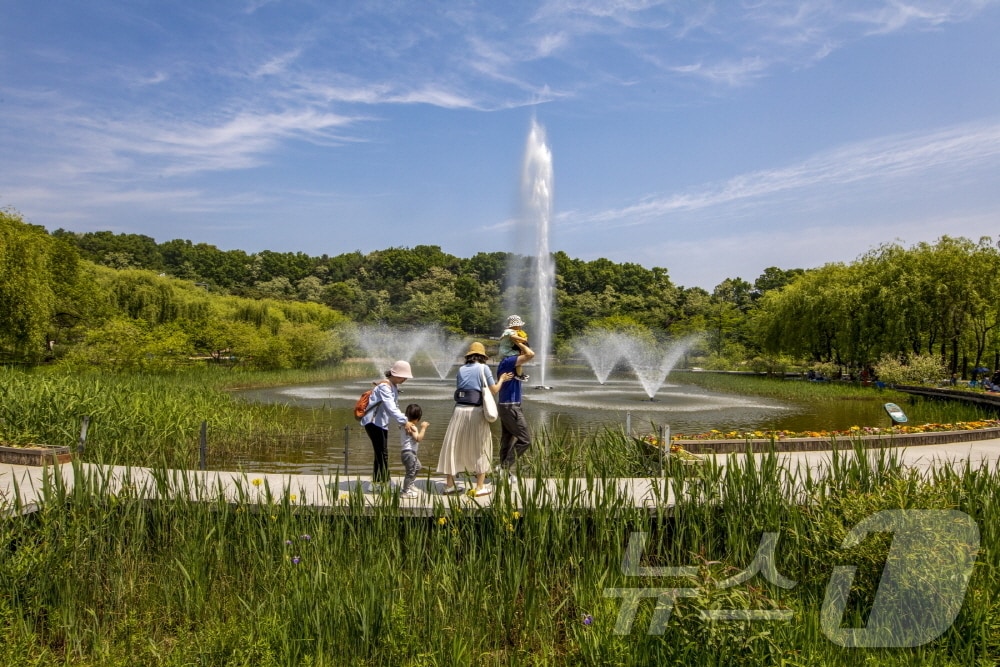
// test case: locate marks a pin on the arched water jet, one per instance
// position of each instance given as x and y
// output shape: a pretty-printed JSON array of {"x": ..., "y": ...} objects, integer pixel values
[
  {"x": 602, "y": 350},
  {"x": 650, "y": 362},
  {"x": 443, "y": 351},
  {"x": 645, "y": 360},
  {"x": 383, "y": 345}
]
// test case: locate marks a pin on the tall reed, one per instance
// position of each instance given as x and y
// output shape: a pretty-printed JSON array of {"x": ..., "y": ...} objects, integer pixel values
[
  {"x": 108, "y": 573},
  {"x": 142, "y": 419}
]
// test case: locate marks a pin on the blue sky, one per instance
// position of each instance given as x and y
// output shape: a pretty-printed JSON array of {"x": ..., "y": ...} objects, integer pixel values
[{"x": 714, "y": 139}]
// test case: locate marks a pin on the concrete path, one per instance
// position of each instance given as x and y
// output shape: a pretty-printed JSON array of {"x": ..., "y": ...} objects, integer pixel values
[{"x": 22, "y": 487}]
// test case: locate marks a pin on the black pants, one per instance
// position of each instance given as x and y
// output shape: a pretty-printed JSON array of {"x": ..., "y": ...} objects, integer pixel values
[
  {"x": 515, "y": 438},
  {"x": 380, "y": 445}
]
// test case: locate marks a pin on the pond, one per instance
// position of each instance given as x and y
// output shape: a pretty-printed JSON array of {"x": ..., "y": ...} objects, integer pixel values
[{"x": 575, "y": 402}]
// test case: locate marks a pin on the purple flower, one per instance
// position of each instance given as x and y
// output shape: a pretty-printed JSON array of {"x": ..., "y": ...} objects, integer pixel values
[
  {"x": 288, "y": 543},
  {"x": 306, "y": 537},
  {"x": 295, "y": 560},
  {"x": 587, "y": 619}
]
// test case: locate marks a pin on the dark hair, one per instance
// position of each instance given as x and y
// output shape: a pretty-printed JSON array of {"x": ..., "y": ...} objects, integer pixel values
[
  {"x": 413, "y": 412},
  {"x": 469, "y": 358}
]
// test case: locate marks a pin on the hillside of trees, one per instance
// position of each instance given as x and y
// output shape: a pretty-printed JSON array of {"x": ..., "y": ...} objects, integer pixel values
[{"x": 128, "y": 301}]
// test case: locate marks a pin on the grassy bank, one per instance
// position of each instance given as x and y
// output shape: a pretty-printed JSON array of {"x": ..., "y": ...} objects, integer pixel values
[
  {"x": 112, "y": 579},
  {"x": 803, "y": 391}
]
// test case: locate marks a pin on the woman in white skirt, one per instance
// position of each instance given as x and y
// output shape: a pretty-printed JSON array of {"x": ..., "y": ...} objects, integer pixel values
[{"x": 468, "y": 441}]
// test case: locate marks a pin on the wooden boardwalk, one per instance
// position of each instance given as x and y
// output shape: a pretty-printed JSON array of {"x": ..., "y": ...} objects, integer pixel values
[{"x": 22, "y": 488}]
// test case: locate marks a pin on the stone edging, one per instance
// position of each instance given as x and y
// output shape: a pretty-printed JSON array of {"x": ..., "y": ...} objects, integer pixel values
[{"x": 835, "y": 442}]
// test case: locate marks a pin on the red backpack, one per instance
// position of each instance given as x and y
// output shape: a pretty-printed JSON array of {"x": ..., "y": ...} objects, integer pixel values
[{"x": 361, "y": 407}]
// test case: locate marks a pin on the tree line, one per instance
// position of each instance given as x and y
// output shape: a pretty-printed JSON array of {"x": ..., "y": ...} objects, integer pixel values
[{"x": 96, "y": 293}]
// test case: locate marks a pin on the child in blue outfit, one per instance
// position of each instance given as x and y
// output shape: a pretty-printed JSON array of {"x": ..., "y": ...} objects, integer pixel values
[
  {"x": 411, "y": 433},
  {"x": 510, "y": 342}
]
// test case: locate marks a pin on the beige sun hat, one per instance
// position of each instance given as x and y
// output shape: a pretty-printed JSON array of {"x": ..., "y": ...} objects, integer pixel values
[
  {"x": 515, "y": 321},
  {"x": 401, "y": 369},
  {"x": 476, "y": 348}
]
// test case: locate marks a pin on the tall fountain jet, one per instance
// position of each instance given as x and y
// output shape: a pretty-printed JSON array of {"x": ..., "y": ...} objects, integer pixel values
[{"x": 536, "y": 194}]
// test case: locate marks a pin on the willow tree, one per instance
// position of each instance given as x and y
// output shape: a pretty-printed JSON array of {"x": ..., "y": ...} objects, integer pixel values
[
  {"x": 944, "y": 297},
  {"x": 27, "y": 286},
  {"x": 938, "y": 298},
  {"x": 810, "y": 317}
]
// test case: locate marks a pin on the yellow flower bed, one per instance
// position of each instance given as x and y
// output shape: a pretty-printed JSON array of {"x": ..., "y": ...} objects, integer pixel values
[{"x": 853, "y": 431}]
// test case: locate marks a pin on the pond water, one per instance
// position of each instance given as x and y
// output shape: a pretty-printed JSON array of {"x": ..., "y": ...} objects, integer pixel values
[{"x": 575, "y": 402}]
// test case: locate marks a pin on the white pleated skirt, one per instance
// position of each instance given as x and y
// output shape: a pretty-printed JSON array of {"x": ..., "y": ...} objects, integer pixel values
[{"x": 468, "y": 443}]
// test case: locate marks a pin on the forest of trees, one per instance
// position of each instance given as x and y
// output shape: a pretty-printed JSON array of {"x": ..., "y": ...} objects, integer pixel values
[{"x": 126, "y": 300}]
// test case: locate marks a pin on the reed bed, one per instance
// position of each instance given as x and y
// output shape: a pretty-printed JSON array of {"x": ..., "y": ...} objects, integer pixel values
[
  {"x": 110, "y": 574},
  {"x": 148, "y": 419},
  {"x": 118, "y": 574}
]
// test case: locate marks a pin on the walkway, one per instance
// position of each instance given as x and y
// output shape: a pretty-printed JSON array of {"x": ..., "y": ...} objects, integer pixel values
[{"x": 21, "y": 486}]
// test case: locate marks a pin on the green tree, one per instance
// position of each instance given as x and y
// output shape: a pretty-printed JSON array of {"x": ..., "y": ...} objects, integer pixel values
[
  {"x": 123, "y": 343},
  {"x": 29, "y": 280},
  {"x": 773, "y": 278}
]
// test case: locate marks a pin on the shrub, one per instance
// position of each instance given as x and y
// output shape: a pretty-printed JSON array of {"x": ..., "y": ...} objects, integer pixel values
[{"x": 918, "y": 369}]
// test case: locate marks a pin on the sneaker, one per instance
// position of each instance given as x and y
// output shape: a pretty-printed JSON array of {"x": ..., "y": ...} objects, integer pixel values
[
  {"x": 410, "y": 494},
  {"x": 511, "y": 478},
  {"x": 484, "y": 491},
  {"x": 522, "y": 377},
  {"x": 449, "y": 490}
]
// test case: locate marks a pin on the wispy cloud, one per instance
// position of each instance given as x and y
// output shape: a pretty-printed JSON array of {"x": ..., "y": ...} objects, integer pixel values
[
  {"x": 749, "y": 250},
  {"x": 237, "y": 142},
  {"x": 277, "y": 64},
  {"x": 897, "y": 15},
  {"x": 764, "y": 36},
  {"x": 737, "y": 73},
  {"x": 82, "y": 143},
  {"x": 955, "y": 149},
  {"x": 225, "y": 88}
]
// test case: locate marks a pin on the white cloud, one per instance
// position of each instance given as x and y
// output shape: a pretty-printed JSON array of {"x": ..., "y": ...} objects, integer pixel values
[
  {"x": 745, "y": 253},
  {"x": 731, "y": 73},
  {"x": 277, "y": 64},
  {"x": 953, "y": 149},
  {"x": 438, "y": 97},
  {"x": 550, "y": 43},
  {"x": 897, "y": 15},
  {"x": 238, "y": 142}
]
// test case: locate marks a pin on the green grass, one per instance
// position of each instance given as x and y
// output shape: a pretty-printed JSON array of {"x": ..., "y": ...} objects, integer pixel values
[
  {"x": 101, "y": 578},
  {"x": 790, "y": 389}
]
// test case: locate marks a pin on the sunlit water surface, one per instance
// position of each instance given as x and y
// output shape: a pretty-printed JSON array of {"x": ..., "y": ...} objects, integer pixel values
[{"x": 575, "y": 402}]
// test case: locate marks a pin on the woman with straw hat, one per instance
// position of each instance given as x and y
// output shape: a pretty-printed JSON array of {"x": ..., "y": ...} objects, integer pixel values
[{"x": 468, "y": 441}]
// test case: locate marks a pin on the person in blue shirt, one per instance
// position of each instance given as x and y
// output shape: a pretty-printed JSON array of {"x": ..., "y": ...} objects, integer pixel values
[
  {"x": 515, "y": 436},
  {"x": 385, "y": 397},
  {"x": 468, "y": 441}
]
